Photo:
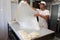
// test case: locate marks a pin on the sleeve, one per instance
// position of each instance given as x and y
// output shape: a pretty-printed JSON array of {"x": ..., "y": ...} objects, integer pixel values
[{"x": 47, "y": 13}]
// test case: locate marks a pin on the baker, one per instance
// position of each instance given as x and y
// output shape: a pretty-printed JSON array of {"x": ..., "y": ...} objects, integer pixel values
[{"x": 43, "y": 14}]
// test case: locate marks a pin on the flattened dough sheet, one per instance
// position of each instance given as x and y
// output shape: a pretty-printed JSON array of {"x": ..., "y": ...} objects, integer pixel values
[{"x": 25, "y": 16}]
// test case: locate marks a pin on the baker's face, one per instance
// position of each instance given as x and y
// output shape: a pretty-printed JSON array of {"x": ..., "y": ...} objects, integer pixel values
[{"x": 42, "y": 6}]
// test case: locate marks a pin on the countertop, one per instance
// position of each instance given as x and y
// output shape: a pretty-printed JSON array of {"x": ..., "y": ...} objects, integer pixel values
[{"x": 16, "y": 27}]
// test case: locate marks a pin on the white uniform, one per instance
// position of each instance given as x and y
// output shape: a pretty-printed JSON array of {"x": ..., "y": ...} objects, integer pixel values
[{"x": 42, "y": 21}]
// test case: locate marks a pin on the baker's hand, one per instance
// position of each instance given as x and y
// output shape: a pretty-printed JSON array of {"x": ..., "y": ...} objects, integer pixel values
[{"x": 36, "y": 14}]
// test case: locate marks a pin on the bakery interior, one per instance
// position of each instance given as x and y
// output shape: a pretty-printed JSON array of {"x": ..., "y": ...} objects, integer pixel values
[{"x": 11, "y": 17}]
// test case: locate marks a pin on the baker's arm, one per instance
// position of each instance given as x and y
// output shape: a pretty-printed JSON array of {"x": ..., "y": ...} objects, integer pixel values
[{"x": 45, "y": 17}]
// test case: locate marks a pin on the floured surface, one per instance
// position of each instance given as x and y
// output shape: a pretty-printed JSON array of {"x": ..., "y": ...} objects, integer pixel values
[
  {"x": 25, "y": 16},
  {"x": 28, "y": 36},
  {"x": 24, "y": 35},
  {"x": 18, "y": 31}
]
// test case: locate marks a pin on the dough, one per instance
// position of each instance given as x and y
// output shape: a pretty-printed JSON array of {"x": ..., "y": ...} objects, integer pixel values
[
  {"x": 34, "y": 35},
  {"x": 29, "y": 36},
  {"x": 24, "y": 35},
  {"x": 25, "y": 16}
]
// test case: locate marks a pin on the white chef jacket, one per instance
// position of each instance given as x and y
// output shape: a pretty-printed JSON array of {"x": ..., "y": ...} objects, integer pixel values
[{"x": 42, "y": 21}]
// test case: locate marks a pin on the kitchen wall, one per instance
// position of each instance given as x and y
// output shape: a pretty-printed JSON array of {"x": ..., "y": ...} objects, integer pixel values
[
  {"x": 59, "y": 11},
  {"x": 57, "y": 3},
  {"x": 5, "y": 16}
]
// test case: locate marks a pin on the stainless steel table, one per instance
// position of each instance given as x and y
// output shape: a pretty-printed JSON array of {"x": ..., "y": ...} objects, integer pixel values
[{"x": 45, "y": 34}]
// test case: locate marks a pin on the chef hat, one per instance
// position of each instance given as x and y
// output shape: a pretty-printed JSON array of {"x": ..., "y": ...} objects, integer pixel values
[{"x": 43, "y": 2}]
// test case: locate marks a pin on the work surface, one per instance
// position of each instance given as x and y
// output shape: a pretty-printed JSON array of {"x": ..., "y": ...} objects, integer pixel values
[{"x": 16, "y": 27}]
